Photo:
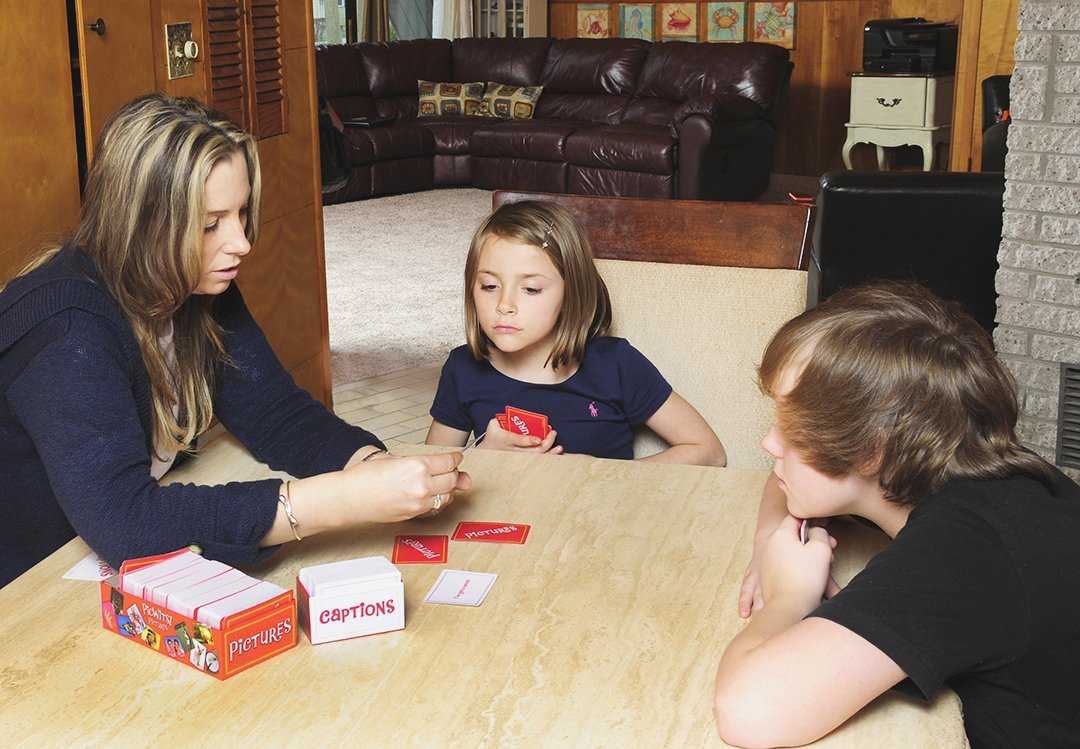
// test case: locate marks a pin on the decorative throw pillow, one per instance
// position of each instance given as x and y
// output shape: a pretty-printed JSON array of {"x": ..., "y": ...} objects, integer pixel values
[
  {"x": 449, "y": 98},
  {"x": 509, "y": 102}
]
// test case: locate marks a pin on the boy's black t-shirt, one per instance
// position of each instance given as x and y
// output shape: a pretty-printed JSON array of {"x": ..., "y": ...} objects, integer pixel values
[{"x": 981, "y": 591}]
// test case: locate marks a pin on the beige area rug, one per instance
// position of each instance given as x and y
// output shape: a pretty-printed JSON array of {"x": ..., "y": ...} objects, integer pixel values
[{"x": 394, "y": 278}]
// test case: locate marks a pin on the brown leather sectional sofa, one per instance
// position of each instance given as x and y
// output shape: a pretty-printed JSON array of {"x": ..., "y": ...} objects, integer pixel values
[{"x": 616, "y": 116}]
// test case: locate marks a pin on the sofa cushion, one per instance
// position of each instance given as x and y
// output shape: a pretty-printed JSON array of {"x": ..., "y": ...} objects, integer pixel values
[
  {"x": 401, "y": 140},
  {"x": 594, "y": 66},
  {"x": 393, "y": 68},
  {"x": 533, "y": 140},
  {"x": 590, "y": 79},
  {"x": 341, "y": 80},
  {"x": 632, "y": 148},
  {"x": 518, "y": 62},
  {"x": 452, "y": 134},
  {"x": 506, "y": 102},
  {"x": 449, "y": 98},
  {"x": 358, "y": 146},
  {"x": 677, "y": 71}
]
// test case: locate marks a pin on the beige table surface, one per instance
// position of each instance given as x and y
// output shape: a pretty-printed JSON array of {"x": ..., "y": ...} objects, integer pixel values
[{"x": 603, "y": 630}]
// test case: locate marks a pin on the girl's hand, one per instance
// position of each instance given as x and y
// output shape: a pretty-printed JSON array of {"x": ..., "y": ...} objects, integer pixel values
[
  {"x": 793, "y": 572},
  {"x": 497, "y": 438},
  {"x": 388, "y": 490}
]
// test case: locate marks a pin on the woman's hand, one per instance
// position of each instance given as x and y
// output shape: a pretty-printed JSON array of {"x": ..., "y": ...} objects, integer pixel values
[
  {"x": 390, "y": 489},
  {"x": 497, "y": 438}
]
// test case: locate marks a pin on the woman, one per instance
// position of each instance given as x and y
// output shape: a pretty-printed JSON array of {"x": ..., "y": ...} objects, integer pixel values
[{"x": 118, "y": 349}]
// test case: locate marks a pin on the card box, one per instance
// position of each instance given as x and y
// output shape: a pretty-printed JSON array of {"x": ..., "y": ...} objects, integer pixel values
[
  {"x": 243, "y": 638},
  {"x": 355, "y": 598}
]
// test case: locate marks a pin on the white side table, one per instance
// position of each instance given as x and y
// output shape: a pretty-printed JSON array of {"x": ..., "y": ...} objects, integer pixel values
[{"x": 900, "y": 109}]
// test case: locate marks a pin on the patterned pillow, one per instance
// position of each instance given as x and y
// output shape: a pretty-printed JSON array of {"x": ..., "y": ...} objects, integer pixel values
[
  {"x": 509, "y": 102},
  {"x": 449, "y": 98}
]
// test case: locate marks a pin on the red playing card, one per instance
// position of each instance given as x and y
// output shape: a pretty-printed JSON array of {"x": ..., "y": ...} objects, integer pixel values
[
  {"x": 420, "y": 550},
  {"x": 526, "y": 422},
  {"x": 499, "y": 533},
  {"x": 502, "y": 422}
]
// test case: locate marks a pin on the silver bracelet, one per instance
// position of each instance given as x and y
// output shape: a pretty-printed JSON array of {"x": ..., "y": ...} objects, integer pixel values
[
  {"x": 373, "y": 454},
  {"x": 286, "y": 504}
]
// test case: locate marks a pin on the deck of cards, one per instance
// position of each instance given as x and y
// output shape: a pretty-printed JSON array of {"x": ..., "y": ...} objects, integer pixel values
[
  {"x": 523, "y": 422},
  {"x": 353, "y": 598}
]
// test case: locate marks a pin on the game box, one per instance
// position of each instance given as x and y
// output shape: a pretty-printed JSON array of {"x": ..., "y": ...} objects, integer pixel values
[
  {"x": 352, "y": 598},
  {"x": 239, "y": 640}
]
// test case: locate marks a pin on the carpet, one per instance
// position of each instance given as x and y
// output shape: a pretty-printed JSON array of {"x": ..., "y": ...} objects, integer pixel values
[
  {"x": 394, "y": 278},
  {"x": 394, "y": 275}
]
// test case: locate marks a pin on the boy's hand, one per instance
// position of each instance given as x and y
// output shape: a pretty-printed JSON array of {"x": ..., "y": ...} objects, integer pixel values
[
  {"x": 750, "y": 598},
  {"x": 497, "y": 438},
  {"x": 792, "y": 571}
]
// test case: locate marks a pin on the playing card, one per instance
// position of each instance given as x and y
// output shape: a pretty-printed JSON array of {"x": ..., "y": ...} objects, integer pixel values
[
  {"x": 500, "y": 533},
  {"x": 461, "y": 588},
  {"x": 420, "y": 549},
  {"x": 501, "y": 418},
  {"x": 91, "y": 567},
  {"x": 527, "y": 422}
]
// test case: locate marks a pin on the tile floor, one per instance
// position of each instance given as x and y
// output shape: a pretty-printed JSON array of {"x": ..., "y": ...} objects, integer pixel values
[{"x": 393, "y": 406}]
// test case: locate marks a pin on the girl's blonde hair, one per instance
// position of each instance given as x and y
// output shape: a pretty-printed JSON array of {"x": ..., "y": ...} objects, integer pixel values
[
  {"x": 898, "y": 382},
  {"x": 586, "y": 306},
  {"x": 142, "y": 223}
]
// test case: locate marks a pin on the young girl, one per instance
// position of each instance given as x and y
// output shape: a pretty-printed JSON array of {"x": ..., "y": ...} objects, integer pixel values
[{"x": 536, "y": 317}]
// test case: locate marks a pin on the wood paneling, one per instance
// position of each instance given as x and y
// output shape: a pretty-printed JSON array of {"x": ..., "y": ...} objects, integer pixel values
[
  {"x": 284, "y": 281},
  {"x": 117, "y": 65},
  {"x": 39, "y": 193},
  {"x": 983, "y": 54},
  {"x": 828, "y": 46},
  {"x": 179, "y": 11}
]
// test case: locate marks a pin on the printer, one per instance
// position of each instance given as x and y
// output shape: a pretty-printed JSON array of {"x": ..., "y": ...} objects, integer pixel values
[{"x": 909, "y": 45}]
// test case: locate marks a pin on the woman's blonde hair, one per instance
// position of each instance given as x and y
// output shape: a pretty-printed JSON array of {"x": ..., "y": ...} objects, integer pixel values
[
  {"x": 892, "y": 380},
  {"x": 142, "y": 223},
  {"x": 586, "y": 306}
]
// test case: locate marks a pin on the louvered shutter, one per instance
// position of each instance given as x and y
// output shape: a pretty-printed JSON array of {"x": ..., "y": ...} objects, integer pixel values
[
  {"x": 246, "y": 77},
  {"x": 1068, "y": 447}
]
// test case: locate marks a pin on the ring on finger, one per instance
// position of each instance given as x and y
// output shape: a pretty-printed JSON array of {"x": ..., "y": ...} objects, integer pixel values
[{"x": 438, "y": 501}]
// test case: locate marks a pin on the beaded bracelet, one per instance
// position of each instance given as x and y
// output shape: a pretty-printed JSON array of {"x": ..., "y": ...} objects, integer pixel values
[{"x": 286, "y": 504}]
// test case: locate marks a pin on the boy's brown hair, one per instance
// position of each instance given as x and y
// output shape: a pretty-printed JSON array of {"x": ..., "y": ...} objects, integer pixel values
[
  {"x": 586, "y": 306},
  {"x": 897, "y": 382}
]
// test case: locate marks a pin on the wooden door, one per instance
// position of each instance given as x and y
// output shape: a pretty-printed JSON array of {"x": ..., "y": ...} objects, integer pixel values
[
  {"x": 39, "y": 194},
  {"x": 116, "y": 58}
]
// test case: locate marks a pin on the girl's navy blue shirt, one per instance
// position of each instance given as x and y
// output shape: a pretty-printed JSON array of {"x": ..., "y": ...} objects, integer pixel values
[{"x": 614, "y": 388}]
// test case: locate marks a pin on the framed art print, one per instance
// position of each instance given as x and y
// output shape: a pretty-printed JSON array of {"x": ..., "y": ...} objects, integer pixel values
[
  {"x": 593, "y": 21},
  {"x": 678, "y": 21},
  {"x": 637, "y": 21},
  {"x": 724, "y": 22},
  {"x": 774, "y": 23}
]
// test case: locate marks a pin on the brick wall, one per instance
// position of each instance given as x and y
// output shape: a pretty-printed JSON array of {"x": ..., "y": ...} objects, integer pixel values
[{"x": 1039, "y": 281}]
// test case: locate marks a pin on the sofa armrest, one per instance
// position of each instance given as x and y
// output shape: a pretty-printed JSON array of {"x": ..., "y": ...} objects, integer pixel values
[{"x": 718, "y": 108}]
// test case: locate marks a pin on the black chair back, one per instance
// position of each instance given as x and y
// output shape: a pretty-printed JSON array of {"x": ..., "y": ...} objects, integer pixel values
[{"x": 941, "y": 229}]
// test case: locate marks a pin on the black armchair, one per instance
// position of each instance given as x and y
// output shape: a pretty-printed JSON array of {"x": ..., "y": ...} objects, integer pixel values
[{"x": 941, "y": 229}]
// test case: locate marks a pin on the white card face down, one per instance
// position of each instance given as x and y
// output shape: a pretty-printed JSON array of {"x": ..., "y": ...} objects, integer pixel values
[{"x": 461, "y": 588}]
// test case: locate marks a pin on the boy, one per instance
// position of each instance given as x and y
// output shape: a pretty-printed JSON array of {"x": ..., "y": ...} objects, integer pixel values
[{"x": 891, "y": 405}]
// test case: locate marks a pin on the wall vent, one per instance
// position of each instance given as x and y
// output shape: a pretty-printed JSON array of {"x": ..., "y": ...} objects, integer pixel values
[{"x": 1068, "y": 442}]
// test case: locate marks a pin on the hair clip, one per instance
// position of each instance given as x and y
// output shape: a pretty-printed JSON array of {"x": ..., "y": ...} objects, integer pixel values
[{"x": 547, "y": 233}]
